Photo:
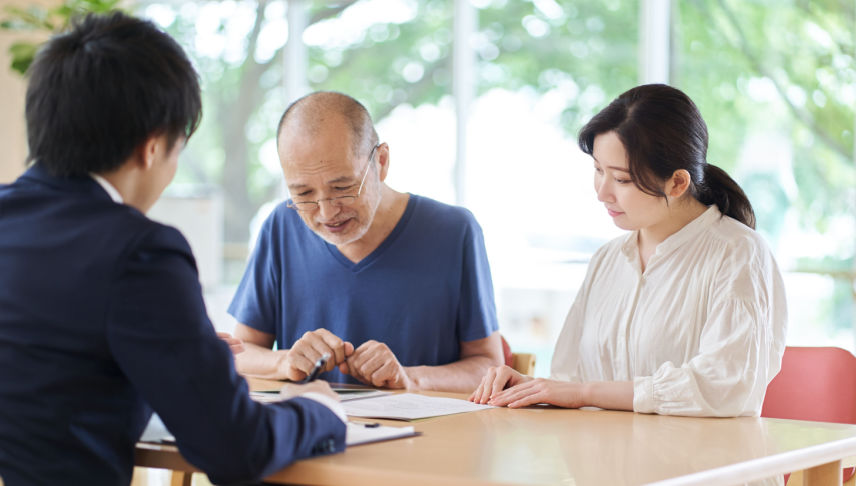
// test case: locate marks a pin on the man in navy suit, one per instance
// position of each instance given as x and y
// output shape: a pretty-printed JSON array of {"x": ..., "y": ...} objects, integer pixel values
[{"x": 101, "y": 314}]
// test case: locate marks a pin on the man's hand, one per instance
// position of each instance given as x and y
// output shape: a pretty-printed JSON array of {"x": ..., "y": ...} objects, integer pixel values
[
  {"x": 306, "y": 351},
  {"x": 374, "y": 363},
  {"x": 235, "y": 344}
]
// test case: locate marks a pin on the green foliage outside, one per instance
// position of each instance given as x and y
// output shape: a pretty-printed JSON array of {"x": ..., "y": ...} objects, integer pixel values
[
  {"x": 770, "y": 67},
  {"x": 805, "y": 53},
  {"x": 42, "y": 19},
  {"x": 590, "y": 44},
  {"x": 759, "y": 68},
  {"x": 753, "y": 67}
]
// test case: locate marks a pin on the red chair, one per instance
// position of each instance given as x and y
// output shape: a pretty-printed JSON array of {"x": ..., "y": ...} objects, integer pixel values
[{"x": 816, "y": 384}]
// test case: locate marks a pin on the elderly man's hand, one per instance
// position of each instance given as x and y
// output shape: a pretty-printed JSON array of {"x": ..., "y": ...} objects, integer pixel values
[
  {"x": 374, "y": 363},
  {"x": 306, "y": 351}
]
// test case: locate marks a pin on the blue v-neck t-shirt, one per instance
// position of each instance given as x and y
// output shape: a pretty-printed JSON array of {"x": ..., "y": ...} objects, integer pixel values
[{"x": 424, "y": 290}]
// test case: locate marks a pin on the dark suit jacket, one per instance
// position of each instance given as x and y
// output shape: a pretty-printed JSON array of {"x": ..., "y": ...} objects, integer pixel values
[{"x": 101, "y": 321}]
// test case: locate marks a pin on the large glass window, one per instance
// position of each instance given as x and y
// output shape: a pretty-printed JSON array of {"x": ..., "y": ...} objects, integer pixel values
[
  {"x": 777, "y": 85},
  {"x": 394, "y": 56},
  {"x": 543, "y": 69},
  {"x": 774, "y": 80}
]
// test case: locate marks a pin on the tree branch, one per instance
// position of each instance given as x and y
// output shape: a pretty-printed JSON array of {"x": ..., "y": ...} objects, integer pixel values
[
  {"x": 331, "y": 12},
  {"x": 416, "y": 91},
  {"x": 254, "y": 33},
  {"x": 318, "y": 17},
  {"x": 811, "y": 13},
  {"x": 802, "y": 115}
]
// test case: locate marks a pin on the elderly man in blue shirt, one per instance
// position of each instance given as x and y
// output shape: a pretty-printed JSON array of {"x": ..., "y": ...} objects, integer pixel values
[{"x": 395, "y": 287}]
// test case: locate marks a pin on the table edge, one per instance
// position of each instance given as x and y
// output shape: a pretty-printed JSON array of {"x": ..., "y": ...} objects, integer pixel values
[{"x": 769, "y": 466}]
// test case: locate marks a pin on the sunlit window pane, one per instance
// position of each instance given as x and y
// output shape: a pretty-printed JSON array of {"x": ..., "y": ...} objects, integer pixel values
[
  {"x": 544, "y": 68},
  {"x": 776, "y": 84}
]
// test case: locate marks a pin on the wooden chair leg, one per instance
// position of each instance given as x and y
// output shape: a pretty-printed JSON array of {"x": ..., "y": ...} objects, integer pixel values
[
  {"x": 825, "y": 474},
  {"x": 795, "y": 479}
]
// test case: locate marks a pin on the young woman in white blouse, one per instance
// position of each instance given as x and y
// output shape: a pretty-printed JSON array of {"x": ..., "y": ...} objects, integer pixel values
[{"x": 686, "y": 314}]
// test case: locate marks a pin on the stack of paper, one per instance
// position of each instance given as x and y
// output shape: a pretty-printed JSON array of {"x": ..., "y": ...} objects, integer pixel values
[
  {"x": 266, "y": 396},
  {"x": 408, "y": 406},
  {"x": 345, "y": 395}
]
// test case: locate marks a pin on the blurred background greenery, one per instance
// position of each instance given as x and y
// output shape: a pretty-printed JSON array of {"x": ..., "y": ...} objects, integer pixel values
[{"x": 774, "y": 79}]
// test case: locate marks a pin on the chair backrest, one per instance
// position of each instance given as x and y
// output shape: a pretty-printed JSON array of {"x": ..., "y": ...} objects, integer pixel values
[
  {"x": 522, "y": 362},
  {"x": 815, "y": 383}
]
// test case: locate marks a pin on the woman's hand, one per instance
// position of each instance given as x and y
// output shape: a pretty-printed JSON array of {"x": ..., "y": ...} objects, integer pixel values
[
  {"x": 495, "y": 380},
  {"x": 540, "y": 390}
]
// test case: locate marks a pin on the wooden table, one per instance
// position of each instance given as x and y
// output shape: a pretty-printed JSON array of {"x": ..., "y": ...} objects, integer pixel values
[{"x": 545, "y": 445}]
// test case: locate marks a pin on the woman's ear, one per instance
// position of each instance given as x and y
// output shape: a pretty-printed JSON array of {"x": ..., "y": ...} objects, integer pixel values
[{"x": 678, "y": 184}]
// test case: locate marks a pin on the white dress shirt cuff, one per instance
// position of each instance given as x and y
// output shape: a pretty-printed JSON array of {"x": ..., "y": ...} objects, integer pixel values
[
  {"x": 328, "y": 402},
  {"x": 643, "y": 394}
]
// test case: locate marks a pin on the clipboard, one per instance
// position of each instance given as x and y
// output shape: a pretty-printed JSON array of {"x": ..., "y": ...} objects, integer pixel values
[{"x": 360, "y": 433}]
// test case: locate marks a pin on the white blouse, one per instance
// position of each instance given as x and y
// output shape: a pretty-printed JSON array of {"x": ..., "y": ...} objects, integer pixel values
[{"x": 700, "y": 332}]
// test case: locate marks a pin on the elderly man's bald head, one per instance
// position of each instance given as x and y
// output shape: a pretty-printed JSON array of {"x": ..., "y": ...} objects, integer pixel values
[{"x": 310, "y": 114}]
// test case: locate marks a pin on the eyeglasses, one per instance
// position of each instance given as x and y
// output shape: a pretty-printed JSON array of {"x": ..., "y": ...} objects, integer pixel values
[{"x": 338, "y": 201}]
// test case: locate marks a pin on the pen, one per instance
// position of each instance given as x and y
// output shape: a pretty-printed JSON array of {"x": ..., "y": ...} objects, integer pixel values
[
  {"x": 368, "y": 425},
  {"x": 316, "y": 370}
]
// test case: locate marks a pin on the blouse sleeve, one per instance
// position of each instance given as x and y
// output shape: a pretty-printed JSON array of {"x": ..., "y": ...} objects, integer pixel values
[{"x": 740, "y": 345}]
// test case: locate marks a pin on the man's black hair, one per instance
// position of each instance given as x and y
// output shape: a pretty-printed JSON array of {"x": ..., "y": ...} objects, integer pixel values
[{"x": 98, "y": 91}]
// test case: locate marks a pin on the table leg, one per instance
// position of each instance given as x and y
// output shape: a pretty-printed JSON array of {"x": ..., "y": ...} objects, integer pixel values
[
  {"x": 182, "y": 478},
  {"x": 823, "y": 475}
]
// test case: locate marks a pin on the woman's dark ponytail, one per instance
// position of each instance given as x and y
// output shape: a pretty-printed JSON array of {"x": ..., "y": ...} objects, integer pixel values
[{"x": 720, "y": 189}]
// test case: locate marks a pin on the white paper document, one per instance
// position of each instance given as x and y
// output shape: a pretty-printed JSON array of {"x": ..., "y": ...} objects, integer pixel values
[
  {"x": 345, "y": 395},
  {"x": 409, "y": 406},
  {"x": 366, "y": 433},
  {"x": 266, "y": 396}
]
